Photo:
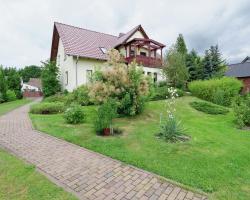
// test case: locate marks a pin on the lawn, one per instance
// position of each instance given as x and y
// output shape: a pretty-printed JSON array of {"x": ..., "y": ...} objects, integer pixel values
[
  {"x": 20, "y": 181},
  {"x": 6, "y": 107},
  {"x": 216, "y": 160}
]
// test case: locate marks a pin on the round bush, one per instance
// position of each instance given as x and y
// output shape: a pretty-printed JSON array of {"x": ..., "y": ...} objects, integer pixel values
[
  {"x": 47, "y": 108},
  {"x": 208, "y": 108},
  {"x": 74, "y": 114}
]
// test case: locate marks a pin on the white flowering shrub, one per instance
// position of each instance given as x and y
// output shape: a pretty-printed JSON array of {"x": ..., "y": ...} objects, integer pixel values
[{"x": 170, "y": 128}]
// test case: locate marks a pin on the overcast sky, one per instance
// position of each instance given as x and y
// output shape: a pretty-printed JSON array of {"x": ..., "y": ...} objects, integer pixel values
[{"x": 26, "y": 25}]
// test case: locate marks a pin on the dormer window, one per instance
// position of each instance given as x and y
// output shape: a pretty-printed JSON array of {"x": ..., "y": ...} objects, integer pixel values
[{"x": 104, "y": 50}]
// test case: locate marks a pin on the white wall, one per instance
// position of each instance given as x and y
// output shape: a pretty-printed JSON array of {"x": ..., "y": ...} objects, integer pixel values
[
  {"x": 160, "y": 76},
  {"x": 29, "y": 87}
]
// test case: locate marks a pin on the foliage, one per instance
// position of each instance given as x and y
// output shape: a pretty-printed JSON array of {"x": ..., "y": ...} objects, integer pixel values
[
  {"x": 175, "y": 69},
  {"x": 213, "y": 64},
  {"x": 80, "y": 96},
  {"x": 105, "y": 114},
  {"x": 181, "y": 45},
  {"x": 171, "y": 129},
  {"x": 56, "y": 98},
  {"x": 194, "y": 66},
  {"x": 161, "y": 92},
  {"x": 209, "y": 108},
  {"x": 210, "y": 90},
  {"x": 125, "y": 84},
  {"x": 13, "y": 81},
  {"x": 49, "y": 77},
  {"x": 74, "y": 114},
  {"x": 241, "y": 108},
  {"x": 11, "y": 95},
  {"x": 47, "y": 108},
  {"x": 31, "y": 71},
  {"x": 8, "y": 106},
  {"x": 3, "y": 86}
]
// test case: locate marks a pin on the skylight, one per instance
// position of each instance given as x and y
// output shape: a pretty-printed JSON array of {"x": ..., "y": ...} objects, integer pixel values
[{"x": 104, "y": 50}]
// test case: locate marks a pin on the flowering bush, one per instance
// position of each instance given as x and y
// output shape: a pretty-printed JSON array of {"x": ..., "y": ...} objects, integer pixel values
[
  {"x": 171, "y": 129},
  {"x": 126, "y": 84}
]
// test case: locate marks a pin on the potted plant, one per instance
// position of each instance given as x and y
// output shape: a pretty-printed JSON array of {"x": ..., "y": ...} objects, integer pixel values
[{"x": 105, "y": 115}]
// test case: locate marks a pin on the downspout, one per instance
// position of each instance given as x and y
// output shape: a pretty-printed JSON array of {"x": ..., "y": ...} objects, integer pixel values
[{"x": 77, "y": 58}]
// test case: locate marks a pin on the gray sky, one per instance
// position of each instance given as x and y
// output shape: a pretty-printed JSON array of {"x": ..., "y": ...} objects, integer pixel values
[{"x": 26, "y": 25}]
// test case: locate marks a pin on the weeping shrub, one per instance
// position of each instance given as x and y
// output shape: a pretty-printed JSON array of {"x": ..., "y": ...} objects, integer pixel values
[{"x": 220, "y": 91}]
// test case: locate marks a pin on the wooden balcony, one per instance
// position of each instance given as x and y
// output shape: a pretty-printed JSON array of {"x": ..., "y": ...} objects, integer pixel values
[{"x": 145, "y": 60}]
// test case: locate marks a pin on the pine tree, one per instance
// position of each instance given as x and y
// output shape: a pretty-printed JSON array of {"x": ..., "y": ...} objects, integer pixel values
[
  {"x": 218, "y": 64},
  {"x": 180, "y": 45},
  {"x": 207, "y": 65},
  {"x": 193, "y": 63}
]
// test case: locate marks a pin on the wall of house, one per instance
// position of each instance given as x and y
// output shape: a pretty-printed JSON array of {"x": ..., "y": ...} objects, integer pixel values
[
  {"x": 152, "y": 70},
  {"x": 246, "y": 82},
  {"x": 29, "y": 87}
]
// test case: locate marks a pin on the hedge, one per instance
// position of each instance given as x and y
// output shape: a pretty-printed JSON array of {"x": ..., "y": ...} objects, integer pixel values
[
  {"x": 220, "y": 91},
  {"x": 47, "y": 108},
  {"x": 209, "y": 108}
]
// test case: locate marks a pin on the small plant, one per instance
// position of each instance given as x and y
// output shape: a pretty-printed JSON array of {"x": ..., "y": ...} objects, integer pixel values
[
  {"x": 105, "y": 114},
  {"x": 47, "y": 108},
  {"x": 209, "y": 108},
  {"x": 171, "y": 129},
  {"x": 11, "y": 95},
  {"x": 74, "y": 114}
]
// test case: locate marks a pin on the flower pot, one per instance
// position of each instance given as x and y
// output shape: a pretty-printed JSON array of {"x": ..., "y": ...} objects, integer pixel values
[{"x": 106, "y": 131}]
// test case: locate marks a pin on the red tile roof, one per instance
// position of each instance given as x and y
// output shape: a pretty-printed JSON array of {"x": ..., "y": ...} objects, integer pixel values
[{"x": 86, "y": 43}]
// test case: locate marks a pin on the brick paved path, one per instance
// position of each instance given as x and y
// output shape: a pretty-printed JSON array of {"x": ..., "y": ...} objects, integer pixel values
[{"x": 86, "y": 174}]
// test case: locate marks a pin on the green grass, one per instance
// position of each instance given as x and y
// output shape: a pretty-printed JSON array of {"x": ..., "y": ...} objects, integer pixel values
[
  {"x": 19, "y": 181},
  {"x": 6, "y": 107},
  {"x": 215, "y": 160}
]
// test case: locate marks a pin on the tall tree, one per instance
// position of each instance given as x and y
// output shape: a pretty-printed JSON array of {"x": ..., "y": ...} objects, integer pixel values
[
  {"x": 217, "y": 62},
  {"x": 193, "y": 63},
  {"x": 31, "y": 71},
  {"x": 50, "y": 82},
  {"x": 207, "y": 65},
  {"x": 3, "y": 86},
  {"x": 14, "y": 81},
  {"x": 175, "y": 68},
  {"x": 180, "y": 45}
]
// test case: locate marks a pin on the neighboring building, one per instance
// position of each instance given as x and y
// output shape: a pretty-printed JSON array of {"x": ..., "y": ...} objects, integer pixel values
[
  {"x": 242, "y": 72},
  {"x": 78, "y": 51},
  {"x": 33, "y": 88}
]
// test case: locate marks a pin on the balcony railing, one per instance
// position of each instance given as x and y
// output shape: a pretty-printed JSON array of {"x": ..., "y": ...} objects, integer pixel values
[{"x": 145, "y": 61}]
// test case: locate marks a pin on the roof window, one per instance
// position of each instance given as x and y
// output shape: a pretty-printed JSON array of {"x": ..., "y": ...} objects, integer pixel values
[{"x": 104, "y": 50}]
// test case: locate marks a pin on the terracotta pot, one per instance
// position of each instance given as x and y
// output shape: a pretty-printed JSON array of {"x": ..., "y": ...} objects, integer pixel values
[{"x": 106, "y": 131}]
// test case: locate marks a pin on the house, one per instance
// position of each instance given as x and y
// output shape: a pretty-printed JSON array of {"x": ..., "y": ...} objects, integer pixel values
[
  {"x": 242, "y": 72},
  {"x": 78, "y": 51},
  {"x": 33, "y": 88}
]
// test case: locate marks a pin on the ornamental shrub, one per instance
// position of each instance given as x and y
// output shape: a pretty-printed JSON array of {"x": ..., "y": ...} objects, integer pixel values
[
  {"x": 161, "y": 92},
  {"x": 74, "y": 114},
  {"x": 56, "y": 98},
  {"x": 209, "y": 108},
  {"x": 11, "y": 95},
  {"x": 105, "y": 114},
  {"x": 126, "y": 84},
  {"x": 47, "y": 108},
  {"x": 80, "y": 96},
  {"x": 220, "y": 91},
  {"x": 241, "y": 108}
]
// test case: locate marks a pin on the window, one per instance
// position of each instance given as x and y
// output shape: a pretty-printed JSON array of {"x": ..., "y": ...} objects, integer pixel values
[
  {"x": 104, "y": 50},
  {"x": 88, "y": 76},
  {"x": 132, "y": 53},
  {"x": 66, "y": 78},
  {"x": 155, "y": 77},
  {"x": 143, "y": 54}
]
